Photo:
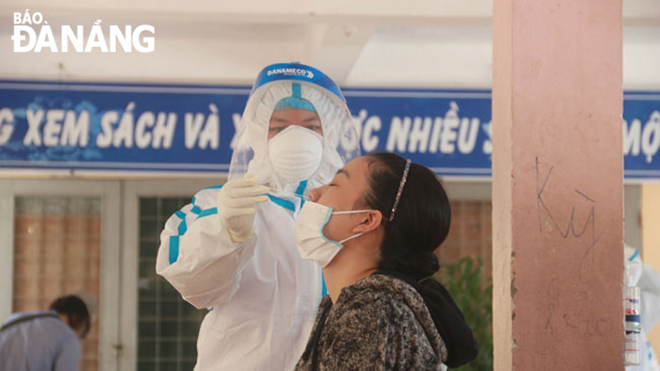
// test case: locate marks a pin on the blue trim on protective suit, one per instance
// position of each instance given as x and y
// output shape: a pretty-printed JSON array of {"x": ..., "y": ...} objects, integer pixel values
[
  {"x": 283, "y": 203},
  {"x": 295, "y": 101},
  {"x": 633, "y": 256},
  {"x": 183, "y": 227},
  {"x": 201, "y": 213},
  {"x": 174, "y": 249},
  {"x": 324, "y": 289},
  {"x": 207, "y": 212},
  {"x": 301, "y": 188},
  {"x": 174, "y": 240},
  {"x": 296, "y": 90}
]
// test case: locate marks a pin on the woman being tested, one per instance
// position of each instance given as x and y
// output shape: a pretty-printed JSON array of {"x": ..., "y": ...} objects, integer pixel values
[{"x": 373, "y": 230}]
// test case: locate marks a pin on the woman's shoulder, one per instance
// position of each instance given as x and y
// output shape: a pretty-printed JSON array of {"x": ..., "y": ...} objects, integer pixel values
[
  {"x": 380, "y": 286},
  {"x": 392, "y": 302},
  {"x": 375, "y": 308},
  {"x": 392, "y": 311},
  {"x": 379, "y": 294}
]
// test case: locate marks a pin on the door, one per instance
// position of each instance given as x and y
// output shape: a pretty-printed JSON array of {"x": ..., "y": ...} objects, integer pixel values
[{"x": 61, "y": 237}]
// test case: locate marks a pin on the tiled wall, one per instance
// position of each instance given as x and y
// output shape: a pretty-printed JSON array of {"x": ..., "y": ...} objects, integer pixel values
[{"x": 167, "y": 325}]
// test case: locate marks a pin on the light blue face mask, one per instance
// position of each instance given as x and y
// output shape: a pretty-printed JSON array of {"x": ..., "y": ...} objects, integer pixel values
[{"x": 312, "y": 244}]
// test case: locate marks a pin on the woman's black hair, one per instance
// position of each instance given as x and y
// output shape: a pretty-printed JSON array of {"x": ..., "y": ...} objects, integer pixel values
[
  {"x": 75, "y": 310},
  {"x": 421, "y": 220},
  {"x": 420, "y": 224}
]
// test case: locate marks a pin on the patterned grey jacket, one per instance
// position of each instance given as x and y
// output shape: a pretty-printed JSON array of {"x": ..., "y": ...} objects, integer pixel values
[{"x": 378, "y": 323}]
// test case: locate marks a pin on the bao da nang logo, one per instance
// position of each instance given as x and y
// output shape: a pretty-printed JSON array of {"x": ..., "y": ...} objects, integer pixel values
[{"x": 32, "y": 33}]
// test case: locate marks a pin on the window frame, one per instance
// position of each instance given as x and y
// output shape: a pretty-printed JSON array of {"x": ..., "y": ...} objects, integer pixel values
[{"x": 132, "y": 191}]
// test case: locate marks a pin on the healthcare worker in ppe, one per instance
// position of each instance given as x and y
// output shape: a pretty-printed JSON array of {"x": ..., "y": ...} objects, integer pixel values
[
  {"x": 648, "y": 280},
  {"x": 232, "y": 250}
]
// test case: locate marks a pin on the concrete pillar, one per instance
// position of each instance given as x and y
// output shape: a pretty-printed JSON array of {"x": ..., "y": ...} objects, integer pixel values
[
  {"x": 651, "y": 240},
  {"x": 557, "y": 185}
]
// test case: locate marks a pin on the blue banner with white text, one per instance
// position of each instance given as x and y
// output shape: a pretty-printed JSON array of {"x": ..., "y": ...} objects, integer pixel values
[{"x": 189, "y": 128}]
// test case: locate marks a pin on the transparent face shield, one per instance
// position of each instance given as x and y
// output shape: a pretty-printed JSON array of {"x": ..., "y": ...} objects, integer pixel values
[{"x": 339, "y": 140}]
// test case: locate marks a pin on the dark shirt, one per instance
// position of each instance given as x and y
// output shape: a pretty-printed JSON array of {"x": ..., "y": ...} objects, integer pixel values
[{"x": 378, "y": 323}]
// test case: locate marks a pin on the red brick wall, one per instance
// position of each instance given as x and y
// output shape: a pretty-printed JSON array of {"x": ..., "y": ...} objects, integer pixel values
[{"x": 470, "y": 234}]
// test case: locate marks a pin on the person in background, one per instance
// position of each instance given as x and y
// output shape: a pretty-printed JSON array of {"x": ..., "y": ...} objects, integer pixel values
[
  {"x": 647, "y": 279},
  {"x": 232, "y": 249},
  {"x": 45, "y": 340},
  {"x": 373, "y": 229}
]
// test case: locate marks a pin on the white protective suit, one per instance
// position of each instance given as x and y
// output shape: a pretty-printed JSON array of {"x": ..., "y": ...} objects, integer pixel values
[
  {"x": 648, "y": 281},
  {"x": 261, "y": 294}
]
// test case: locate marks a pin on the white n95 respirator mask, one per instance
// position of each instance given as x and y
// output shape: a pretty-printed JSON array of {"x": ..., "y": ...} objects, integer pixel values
[
  {"x": 295, "y": 154},
  {"x": 310, "y": 241}
]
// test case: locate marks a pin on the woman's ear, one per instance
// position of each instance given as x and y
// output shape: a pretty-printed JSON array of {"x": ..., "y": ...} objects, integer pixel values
[{"x": 369, "y": 221}]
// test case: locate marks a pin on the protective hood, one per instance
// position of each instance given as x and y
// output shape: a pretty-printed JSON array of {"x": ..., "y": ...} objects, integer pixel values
[{"x": 293, "y": 85}]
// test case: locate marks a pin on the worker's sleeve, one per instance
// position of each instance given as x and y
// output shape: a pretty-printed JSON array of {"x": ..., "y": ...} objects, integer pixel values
[
  {"x": 649, "y": 285},
  {"x": 68, "y": 356},
  {"x": 197, "y": 256}
]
